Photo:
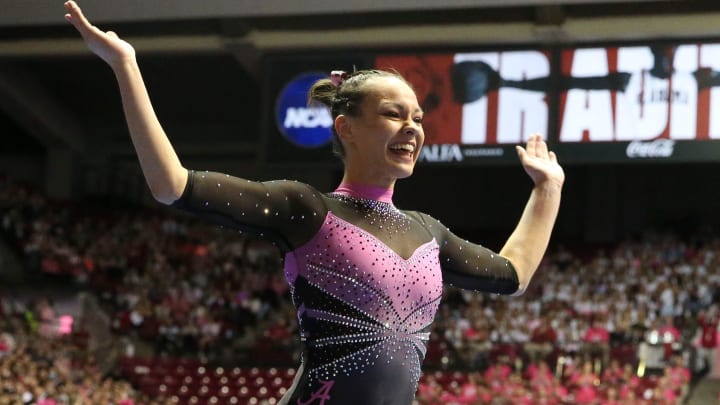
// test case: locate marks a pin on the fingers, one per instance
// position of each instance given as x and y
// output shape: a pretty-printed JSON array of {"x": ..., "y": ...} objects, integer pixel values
[
  {"x": 530, "y": 146},
  {"x": 535, "y": 152},
  {"x": 74, "y": 14},
  {"x": 77, "y": 19},
  {"x": 537, "y": 147},
  {"x": 541, "y": 149},
  {"x": 553, "y": 157}
]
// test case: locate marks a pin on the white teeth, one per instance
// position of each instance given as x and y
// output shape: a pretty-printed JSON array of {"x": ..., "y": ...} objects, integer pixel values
[{"x": 405, "y": 146}]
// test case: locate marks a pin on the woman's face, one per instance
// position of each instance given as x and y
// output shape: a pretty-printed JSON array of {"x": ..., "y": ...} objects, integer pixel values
[{"x": 383, "y": 142}]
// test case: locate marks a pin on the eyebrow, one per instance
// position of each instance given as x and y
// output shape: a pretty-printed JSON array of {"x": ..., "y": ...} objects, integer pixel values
[{"x": 400, "y": 106}]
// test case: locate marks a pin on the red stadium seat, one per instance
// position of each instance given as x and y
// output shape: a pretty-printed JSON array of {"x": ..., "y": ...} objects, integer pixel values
[
  {"x": 244, "y": 393},
  {"x": 258, "y": 382},
  {"x": 240, "y": 381},
  {"x": 224, "y": 391}
]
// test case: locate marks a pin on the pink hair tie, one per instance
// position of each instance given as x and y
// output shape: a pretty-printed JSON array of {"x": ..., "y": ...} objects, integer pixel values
[{"x": 337, "y": 77}]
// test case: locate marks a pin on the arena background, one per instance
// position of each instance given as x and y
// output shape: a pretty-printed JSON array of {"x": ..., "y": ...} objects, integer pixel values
[{"x": 206, "y": 65}]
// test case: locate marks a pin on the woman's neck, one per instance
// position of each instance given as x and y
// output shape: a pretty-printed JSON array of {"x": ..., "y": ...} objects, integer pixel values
[
  {"x": 362, "y": 175},
  {"x": 366, "y": 191}
]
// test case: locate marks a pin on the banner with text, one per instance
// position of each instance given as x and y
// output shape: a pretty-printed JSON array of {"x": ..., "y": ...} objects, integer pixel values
[
  {"x": 655, "y": 102},
  {"x": 595, "y": 104}
]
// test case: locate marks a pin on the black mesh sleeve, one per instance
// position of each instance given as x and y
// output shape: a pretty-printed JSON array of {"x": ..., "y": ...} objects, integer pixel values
[
  {"x": 471, "y": 266},
  {"x": 286, "y": 212}
]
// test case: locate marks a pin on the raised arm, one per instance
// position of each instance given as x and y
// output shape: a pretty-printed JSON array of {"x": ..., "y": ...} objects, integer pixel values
[
  {"x": 527, "y": 244},
  {"x": 161, "y": 166}
]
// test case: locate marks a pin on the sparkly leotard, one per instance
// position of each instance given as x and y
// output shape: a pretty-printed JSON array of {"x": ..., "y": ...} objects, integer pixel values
[{"x": 366, "y": 279}]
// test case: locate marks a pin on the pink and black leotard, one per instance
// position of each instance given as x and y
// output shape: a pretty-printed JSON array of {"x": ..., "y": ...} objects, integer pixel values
[{"x": 366, "y": 279}]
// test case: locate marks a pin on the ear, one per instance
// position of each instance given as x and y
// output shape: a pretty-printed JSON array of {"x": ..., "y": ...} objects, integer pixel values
[{"x": 343, "y": 128}]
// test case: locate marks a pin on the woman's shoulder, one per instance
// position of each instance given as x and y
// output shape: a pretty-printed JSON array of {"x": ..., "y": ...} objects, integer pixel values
[
  {"x": 209, "y": 185},
  {"x": 425, "y": 219},
  {"x": 419, "y": 216},
  {"x": 304, "y": 190}
]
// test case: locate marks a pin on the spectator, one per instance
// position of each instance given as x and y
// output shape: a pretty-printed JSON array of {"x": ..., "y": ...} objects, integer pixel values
[
  {"x": 596, "y": 341},
  {"x": 631, "y": 382},
  {"x": 542, "y": 340},
  {"x": 498, "y": 375},
  {"x": 708, "y": 321},
  {"x": 477, "y": 341},
  {"x": 611, "y": 397},
  {"x": 613, "y": 375},
  {"x": 585, "y": 382}
]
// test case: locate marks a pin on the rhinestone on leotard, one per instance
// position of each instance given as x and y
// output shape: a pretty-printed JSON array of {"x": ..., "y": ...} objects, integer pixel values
[{"x": 378, "y": 213}]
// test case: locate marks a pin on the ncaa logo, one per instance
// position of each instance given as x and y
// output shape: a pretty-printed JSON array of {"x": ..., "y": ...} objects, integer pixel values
[{"x": 303, "y": 125}]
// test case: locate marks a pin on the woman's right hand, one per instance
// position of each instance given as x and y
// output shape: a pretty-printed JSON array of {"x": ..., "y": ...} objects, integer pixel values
[{"x": 106, "y": 45}]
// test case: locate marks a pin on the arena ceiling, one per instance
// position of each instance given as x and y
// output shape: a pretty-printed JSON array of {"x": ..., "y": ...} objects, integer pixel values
[{"x": 201, "y": 59}]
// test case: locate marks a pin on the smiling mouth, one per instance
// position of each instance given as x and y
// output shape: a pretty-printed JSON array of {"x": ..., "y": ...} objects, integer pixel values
[{"x": 403, "y": 149}]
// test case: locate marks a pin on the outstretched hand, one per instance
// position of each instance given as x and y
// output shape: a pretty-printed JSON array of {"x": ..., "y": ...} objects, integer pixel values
[
  {"x": 106, "y": 45},
  {"x": 539, "y": 163}
]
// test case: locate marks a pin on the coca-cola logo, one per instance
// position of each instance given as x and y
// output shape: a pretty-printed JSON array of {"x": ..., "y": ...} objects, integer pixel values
[{"x": 658, "y": 148}]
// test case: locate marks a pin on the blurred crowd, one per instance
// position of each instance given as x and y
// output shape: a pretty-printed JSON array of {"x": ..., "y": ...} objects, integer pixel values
[
  {"x": 41, "y": 368},
  {"x": 189, "y": 289},
  {"x": 538, "y": 384},
  {"x": 656, "y": 290},
  {"x": 164, "y": 277}
]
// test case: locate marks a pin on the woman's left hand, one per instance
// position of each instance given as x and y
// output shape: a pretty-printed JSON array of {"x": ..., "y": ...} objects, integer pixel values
[{"x": 539, "y": 163}]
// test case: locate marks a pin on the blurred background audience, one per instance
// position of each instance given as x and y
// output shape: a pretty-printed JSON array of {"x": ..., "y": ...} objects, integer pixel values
[{"x": 130, "y": 305}]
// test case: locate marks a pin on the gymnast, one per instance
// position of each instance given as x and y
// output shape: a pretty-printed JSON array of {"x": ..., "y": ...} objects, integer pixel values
[{"x": 366, "y": 277}]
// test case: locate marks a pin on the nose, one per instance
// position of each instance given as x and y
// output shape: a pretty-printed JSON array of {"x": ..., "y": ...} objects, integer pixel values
[{"x": 411, "y": 128}]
